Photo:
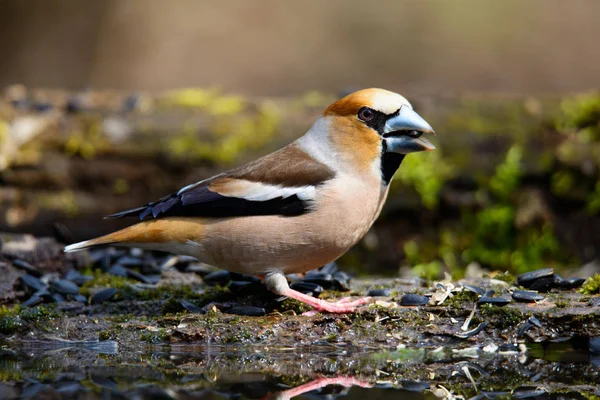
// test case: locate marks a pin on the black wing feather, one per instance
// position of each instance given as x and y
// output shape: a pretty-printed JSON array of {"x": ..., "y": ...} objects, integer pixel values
[{"x": 199, "y": 201}]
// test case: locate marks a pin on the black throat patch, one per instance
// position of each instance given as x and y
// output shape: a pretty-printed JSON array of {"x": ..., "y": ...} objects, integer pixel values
[{"x": 390, "y": 162}]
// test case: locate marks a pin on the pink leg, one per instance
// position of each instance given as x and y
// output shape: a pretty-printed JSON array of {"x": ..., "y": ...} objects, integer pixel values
[
  {"x": 319, "y": 383},
  {"x": 278, "y": 284}
]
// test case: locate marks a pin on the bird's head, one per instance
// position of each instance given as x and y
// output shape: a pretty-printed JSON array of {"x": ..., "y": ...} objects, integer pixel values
[{"x": 368, "y": 124}]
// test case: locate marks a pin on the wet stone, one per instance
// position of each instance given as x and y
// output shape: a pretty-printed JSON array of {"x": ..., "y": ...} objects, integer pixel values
[
  {"x": 103, "y": 295},
  {"x": 249, "y": 311},
  {"x": 219, "y": 277},
  {"x": 65, "y": 287},
  {"x": 309, "y": 288},
  {"x": 412, "y": 299},
  {"x": 526, "y": 296},
  {"x": 25, "y": 266},
  {"x": 379, "y": 293}
]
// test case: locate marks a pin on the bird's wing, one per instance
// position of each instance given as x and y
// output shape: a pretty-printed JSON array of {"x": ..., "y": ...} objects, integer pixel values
[{"x": 281, "y": 183}]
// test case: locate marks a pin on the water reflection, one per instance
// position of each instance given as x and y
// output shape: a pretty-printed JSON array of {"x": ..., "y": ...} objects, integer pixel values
[{"x": 64, "y": 369}]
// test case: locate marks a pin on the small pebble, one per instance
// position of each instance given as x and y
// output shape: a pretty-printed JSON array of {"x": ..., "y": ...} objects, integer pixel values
[
  {"x": 380, "y": 293},
  {"x": 527, "y": 392},
  {"x": 249, "y": 311},
  {"x": 527, "y": 296},
  {"x": 25, "y": 266},
  {"x": 65, "y": 287},
  {"x": 412, "y": 299},
  {"x": 103, "y": 295},
  {"x": 219, "y": 277},
  {"x": 496, "y": 301}
]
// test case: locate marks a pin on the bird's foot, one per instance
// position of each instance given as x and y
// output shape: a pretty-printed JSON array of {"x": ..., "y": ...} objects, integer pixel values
[{"x": 345, "y": 305}]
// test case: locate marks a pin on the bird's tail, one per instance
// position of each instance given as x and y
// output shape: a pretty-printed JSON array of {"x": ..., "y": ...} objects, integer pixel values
[{"x": 123, "y": 237}]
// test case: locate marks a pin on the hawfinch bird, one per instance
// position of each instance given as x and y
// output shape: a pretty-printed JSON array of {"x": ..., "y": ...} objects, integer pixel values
[{"x": 293, "y": 210}]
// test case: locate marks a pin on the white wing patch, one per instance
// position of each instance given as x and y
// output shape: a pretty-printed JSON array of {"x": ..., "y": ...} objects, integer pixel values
[{"x": 255, "y": 191}]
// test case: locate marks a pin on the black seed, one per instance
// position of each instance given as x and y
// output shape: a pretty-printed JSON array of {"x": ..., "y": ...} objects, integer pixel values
[
  {"x": 117, "y": 270},
  {"x": 152, "y": 279},
  {"x": 25, "y": 266},
  {"x": 542, "y": 284},
  {"x": 524, "y": 328},
  {"x": 65, "y": 287},
  {"x": 191, "y": 307},
  {"x": 506, "y": 347},
  {"x": 527, "y": 278},
  {"x": 80, "y": 298},
  {"x": 475, "y": 289},
  {"x": 129, "y": 261},
  {"x": 311, "y": 289},
  {"x": 247, "y": 288},
  {"x": 76, "y": 277},
  {"x": 341, "y": 281},
  {"x": 220, "y": 277},
  {"x": 137, "y": 276},
  {"x": 535, "y": 321},
  {"x": 414, "y": 386},
  {"x": 103, "y": 295},
  {"x": 571, "y": 283},
  {"x": 526, "y": 392},
  {"x": 330, "y": 268},
  {"x": 33, "y": 301},
  {"x": 496, "y": 301},
  {"x": 412, "y": 299},
  {"x": 526, "y": 296},
  {"x": 595, "y": 345},
  {"x": 244, "y": 277},
  {"x": 472, "y": 332},
  {"x": 379, "y": 292},
  {"x": 57, "y": 297},
  {"x": 248, "y": 311},
  {"x": 32, "y": 282}
]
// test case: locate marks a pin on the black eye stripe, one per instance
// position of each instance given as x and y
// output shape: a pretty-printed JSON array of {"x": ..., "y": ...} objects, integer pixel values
[{"x": 377, "y": 121}]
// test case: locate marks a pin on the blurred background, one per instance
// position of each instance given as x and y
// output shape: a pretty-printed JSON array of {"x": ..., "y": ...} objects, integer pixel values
[{"x": 109, "y": 104}]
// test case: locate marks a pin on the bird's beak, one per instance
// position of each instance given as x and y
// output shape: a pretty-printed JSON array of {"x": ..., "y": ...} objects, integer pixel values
[{"x": 403, "y": 133}]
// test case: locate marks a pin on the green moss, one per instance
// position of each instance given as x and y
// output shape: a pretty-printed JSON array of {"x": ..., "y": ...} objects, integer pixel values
[
  {"x": 591, "y": 285},
  {"x": 16, "y": 318},
  {"x": 581, "y": 114},
  {"x": 506, "y": 277},
  {"x": 502, "y": 317},
  {"x": 157, "y": 336},
  {"x": 293, "y": 305}
]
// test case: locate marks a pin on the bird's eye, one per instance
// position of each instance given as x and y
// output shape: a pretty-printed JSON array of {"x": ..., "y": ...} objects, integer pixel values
[{"x": 366, "y": 114}]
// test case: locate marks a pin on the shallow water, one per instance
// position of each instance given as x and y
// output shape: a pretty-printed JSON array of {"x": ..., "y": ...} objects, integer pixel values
[{"x": 64, "y": 369}]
